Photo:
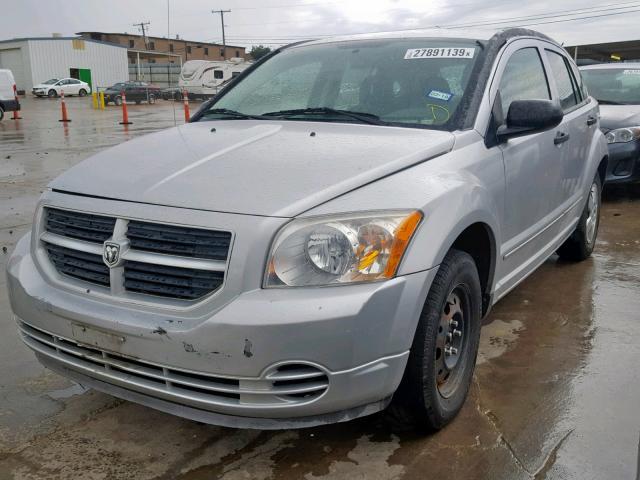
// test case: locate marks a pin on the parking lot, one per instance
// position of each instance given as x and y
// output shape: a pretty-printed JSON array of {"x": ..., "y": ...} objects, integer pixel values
[{"x": 555, "y": 394}]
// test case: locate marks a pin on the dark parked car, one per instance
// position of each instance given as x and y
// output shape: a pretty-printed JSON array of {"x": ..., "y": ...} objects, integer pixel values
[
  {"x": 617, "y": 89},
  {"x": 171, "y": 93},
  {"x": 135, "y": 92}
]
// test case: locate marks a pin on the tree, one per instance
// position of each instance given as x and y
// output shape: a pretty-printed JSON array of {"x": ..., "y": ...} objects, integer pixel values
[{"x": 259, "y": 51}]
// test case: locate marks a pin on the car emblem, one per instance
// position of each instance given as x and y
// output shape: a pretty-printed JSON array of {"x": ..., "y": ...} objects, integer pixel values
[{"x": 111, "y": 254}]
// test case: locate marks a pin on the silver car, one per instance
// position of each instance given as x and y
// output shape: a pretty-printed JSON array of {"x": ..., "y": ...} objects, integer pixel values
[{"x": 325, "y": 235}]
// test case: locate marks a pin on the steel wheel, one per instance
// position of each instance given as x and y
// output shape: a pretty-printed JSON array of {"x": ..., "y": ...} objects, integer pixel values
[
  {"x": 592, "y": 213},
  {"x": 451, "y": 341}
]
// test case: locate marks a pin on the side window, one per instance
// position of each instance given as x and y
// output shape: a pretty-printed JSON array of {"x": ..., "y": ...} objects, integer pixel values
[
  {"x": 523, "y": 79},
  {"x": 218, "y": 74},
  {"x": 560, "y": 71}
]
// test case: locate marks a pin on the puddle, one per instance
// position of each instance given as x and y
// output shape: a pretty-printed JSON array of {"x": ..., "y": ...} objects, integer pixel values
[
  {"x": 496, "y": 338},
  {"x": 75, "y": 389}
]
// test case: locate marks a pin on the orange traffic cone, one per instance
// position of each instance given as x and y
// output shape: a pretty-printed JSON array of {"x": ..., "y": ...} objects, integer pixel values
[
  {"x": 185, "y": 99},
  {"x": 125, "y": 113},
  {"x": 63, "y": 106}
]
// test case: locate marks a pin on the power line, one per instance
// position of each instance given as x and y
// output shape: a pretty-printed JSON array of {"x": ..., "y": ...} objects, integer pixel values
[{"x": 628, "y": 9}]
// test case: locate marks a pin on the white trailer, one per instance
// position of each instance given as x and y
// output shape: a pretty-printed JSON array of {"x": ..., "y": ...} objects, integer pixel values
[{"x": 203, "y": 79}]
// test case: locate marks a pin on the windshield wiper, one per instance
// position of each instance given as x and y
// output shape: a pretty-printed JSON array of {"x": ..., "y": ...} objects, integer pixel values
[
  {"x": 232, "y": 113},
  {"x": 369, "y": 118},
  {"x": 609, "y": 102}
]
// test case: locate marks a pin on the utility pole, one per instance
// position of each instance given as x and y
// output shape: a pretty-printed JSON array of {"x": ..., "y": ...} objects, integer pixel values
[
  {"x": 224, "y": 40},
  {"x": 142, "y": 26}
]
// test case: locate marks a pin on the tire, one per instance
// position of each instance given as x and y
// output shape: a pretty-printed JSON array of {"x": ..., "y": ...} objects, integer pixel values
[
  {"x": 52, "y": 93},
  {"x": 82, "y": 92},
  {"x": 152, "y": 99},
  {"x": 117, "y": 101},
  {"x": 582, "y": 241},
  {"x": 435, "y": 383},
  {"x": 1, "y": 113}
]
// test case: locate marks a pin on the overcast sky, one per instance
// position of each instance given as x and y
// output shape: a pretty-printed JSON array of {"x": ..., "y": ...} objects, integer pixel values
[{"x": 282, "y": 21}]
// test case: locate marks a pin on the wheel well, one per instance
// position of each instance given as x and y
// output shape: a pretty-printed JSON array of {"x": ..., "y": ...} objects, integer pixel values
[
  {"x": 602, "y": 168},
  {"x": 478, "y": 241}
]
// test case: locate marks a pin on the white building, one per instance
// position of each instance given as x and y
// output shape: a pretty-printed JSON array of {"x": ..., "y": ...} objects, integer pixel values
[{"x": 35, "y": 60}]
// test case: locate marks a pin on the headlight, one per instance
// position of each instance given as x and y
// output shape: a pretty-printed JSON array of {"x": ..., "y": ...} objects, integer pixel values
[
  {"x": 623, "y": 135},
  {"x": 340, "y": 249}
]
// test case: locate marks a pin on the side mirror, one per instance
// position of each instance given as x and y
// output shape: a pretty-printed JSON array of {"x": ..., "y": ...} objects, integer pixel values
[{"x": 529, "y": 116}]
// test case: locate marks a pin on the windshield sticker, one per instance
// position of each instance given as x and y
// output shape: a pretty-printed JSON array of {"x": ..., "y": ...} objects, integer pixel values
[
  {"x": 631, "y": 72},
  {"x": 437, "y": 94},
  {"x": 444, "y": 52}
]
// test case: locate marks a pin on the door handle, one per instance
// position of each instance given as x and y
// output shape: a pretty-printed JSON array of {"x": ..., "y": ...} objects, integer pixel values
[
  {"x": 561, "y": 137},
  {"x": 591, "y": 120}
]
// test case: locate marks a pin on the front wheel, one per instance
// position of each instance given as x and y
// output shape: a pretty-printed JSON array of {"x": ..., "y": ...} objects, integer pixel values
[
  {"x": 444, "y": 350},
  {"x": 152, "y": 99},
  {"x": 582, "y": 241},
  {"x": 52, "y": 93}
]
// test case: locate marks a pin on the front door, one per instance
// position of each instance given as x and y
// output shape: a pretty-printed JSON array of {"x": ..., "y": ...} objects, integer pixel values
[{"x": 533, "y": 167}]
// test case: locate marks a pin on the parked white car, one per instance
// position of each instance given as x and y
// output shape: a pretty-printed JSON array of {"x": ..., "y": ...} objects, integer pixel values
[{"x": 54, "y": 86}]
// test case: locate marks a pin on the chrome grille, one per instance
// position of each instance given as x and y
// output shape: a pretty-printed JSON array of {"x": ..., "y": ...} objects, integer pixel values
[
  {"x": 164, "y": 261},
  {"x": 287, "y": 384}
]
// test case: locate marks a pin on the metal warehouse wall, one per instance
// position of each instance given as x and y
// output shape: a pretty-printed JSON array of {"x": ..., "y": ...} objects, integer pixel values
[
  {"x": 54, "y": 58},
  {"x": 15, "y": 57}
]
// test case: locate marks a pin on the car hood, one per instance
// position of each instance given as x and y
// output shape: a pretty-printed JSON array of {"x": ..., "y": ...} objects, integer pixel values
[
  {"x": 619, "y": 116},
  {"x": 270, "y": 168}
]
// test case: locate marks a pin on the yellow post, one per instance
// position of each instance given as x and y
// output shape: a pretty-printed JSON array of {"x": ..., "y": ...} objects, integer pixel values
[
  {"x": 101, "y": 100},
  {"x": 94, "y": 97}
]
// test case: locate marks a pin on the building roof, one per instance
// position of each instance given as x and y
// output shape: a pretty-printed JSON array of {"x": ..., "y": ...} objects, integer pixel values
[
  {"x": 30, "y": 39},
  {"x": 161, "y": 38}
]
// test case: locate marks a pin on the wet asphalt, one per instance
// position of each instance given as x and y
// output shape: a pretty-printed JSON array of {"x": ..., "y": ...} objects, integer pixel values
[{"x": 556, "y": 394}]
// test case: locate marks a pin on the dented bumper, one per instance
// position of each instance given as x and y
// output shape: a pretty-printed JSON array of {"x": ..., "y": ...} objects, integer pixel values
[{"x": 265, "y": 359}]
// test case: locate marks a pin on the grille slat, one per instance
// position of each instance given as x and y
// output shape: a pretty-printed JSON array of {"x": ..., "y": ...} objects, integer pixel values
[
  {"x": 83, "y": 226},
  {"x": 181, "y": 241},
  {"x": 173, "y": 282},
  {"x": 80, "y": 265}
]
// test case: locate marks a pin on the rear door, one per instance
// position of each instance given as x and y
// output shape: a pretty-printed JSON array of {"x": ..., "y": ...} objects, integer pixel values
[{"x": 579, "y": 119}]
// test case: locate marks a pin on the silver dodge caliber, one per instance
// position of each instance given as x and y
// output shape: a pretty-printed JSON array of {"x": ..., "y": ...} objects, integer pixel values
[{"x": 325, "y": 235}]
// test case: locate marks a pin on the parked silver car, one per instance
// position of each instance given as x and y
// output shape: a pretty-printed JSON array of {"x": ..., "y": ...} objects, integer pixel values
[{"x": 326, "y": 234}]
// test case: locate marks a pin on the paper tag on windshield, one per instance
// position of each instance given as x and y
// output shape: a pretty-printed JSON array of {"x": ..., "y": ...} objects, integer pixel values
[
  {"x": 631, "y": 72},
  {"x": 443, "y": 52}
]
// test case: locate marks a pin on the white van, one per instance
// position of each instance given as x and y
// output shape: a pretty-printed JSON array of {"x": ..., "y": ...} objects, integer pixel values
[
  {"x": 203, "y": 79},
  {"x": 8, "y": 99}
]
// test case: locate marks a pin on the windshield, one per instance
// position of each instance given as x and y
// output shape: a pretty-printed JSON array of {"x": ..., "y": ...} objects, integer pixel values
[
  {"x": 50, "y": 82},
  {"x": 406, "y": 82},
  {"x": 614, "y": 85},
  {"x": 117, "y": 86}
]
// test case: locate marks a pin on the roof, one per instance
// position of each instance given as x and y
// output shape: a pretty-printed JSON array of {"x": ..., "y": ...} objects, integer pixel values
[
  {"x": 161, "y": 38},
  {"x": 469, "y": 34},
  {"x": 619, "y": 65},
  {"x": 31, "y": 39}
]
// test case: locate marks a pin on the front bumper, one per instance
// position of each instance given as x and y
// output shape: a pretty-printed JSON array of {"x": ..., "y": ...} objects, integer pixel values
[
  {"x": 225, "y": 368},
  {"x": 624, "y": 162}
]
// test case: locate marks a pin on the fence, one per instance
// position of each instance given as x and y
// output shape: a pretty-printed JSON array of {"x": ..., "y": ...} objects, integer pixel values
[{"x": 161, "y": 74}]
